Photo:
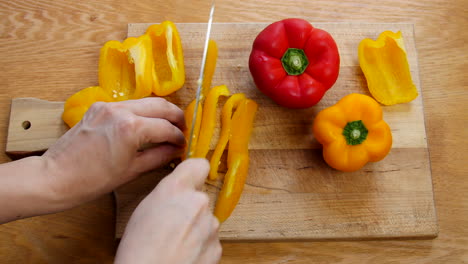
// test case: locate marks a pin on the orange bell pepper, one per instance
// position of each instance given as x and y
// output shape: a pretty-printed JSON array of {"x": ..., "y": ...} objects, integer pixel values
[
  {"x": 196, "y": 131},
  {"x": 238, "y": 159},
  {"x": 209, "y": 120},
  {"x": 386, "y": 68},
  {"x": 167, "y": 53},
  {"x": 125, "y": 69},
  {"x": 77, "y": 104},
  {"x": 226, "y": 117},
  {"x": 352, "y": 133}
]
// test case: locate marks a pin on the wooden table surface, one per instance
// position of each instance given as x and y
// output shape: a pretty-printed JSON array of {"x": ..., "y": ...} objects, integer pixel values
[{"x": 49, "y": 50}]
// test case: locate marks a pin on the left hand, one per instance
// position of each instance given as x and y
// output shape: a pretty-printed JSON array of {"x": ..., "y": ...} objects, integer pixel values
[{"x": 102, "y": 152}]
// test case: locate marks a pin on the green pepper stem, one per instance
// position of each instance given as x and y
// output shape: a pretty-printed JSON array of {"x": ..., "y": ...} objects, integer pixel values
[
  {"x": 294, "y": 61},
  {"x": 355, "y": 132}
]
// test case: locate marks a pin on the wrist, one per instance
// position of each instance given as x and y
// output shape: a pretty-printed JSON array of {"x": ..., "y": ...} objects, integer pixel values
[
  {"x": 44, "y": 184},
  {"x": 25, "y": 190},
  {"x": 60, "y": 195}
]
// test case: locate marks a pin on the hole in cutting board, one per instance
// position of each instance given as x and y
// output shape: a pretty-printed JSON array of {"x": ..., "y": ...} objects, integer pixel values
[{"x": 26, "y": 125}]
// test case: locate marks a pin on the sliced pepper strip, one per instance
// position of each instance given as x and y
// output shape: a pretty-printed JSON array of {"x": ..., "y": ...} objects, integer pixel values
[
  {"x": 168, "y": 70},
  {"x": 209, "y": 120},
  {"x": 77, "y": 104},
  {"x": 385, "y": 65},
  {"x": 125, "y": 70},
  {"x": 226, "y": 117},
  {"x": 238, "y": 159},
  {"x": 188, "y": 121},
  {"x": 233, "y": 186},
  {"x": 241, "y": 129},
  {"x": 210, "y": 67}
]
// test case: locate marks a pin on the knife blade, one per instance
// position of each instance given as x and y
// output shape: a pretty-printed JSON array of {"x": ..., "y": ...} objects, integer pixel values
[{"x": 200, "y": 78}]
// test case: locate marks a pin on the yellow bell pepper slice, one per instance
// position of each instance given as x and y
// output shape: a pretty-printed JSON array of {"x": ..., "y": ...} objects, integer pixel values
[
  {"x": 168, "y": 70},
  {"x": 241, "y": 129},
  {"x": 210, "y": 66},
  {"x": 238, "y": 159},
  {"x": 196, "y": 131},
  {"x": 226, "y": 117},
  {"x": 352, "y": 133},
  {"x": 385, "y": 66},
  {"x": 233, "y": 186},
  {"x": 209, "y": 120},
  {"x": 77, "y": 104},
  {"x": 125, "y": 69}
]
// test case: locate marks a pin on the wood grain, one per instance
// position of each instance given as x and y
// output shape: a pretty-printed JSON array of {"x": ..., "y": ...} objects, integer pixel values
[
  {"x": 50, "y": 49},
  {"x": 34, "y": 126},
  {"x": 287, "y": 184},
  {"x": 288, "y": 181}
]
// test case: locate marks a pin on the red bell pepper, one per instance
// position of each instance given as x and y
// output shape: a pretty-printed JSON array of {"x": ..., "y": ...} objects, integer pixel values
[{"x": 294, "y": 63}]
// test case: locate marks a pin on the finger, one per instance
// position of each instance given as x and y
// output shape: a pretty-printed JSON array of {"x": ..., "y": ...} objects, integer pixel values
[
  {"x": 192, "y": 173},
  {"x": 156, "y": 157},
  {"x": 212, "y": 226},
  {"x": 156, "y": 107},
  {"x": 157, "y": 130},
  {"x": 212, "y": 253},
  {"x": 206, "y": 229}
]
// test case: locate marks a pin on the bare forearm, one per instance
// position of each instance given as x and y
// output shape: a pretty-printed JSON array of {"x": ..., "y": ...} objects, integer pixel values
[
  {"x": 94, "y": 157},
  {"x": 25, "y": 190}
]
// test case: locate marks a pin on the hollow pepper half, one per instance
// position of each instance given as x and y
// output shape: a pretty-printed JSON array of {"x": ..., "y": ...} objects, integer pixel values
[
  {"x": 167, "y": 54},
  {"x": 238, "y": 159},
  {"x": 77, "y": 104},
  {"x": 385, "y": 65},
  {"x": 126, "y": 69},
  {"x": 352, "y": 132},
  {"x": 294, "y": 63}
]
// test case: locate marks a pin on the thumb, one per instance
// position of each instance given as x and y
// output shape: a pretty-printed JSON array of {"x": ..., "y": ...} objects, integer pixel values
[{"x": 192, "y": 173}]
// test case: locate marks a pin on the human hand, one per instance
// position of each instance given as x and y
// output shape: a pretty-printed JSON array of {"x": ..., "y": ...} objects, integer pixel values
[
  {"x": 173, "y": 224},
  {"x": 102, "y": 151}
]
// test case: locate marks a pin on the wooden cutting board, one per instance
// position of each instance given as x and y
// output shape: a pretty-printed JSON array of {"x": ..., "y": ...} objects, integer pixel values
[{"x": 290, "y": 194}]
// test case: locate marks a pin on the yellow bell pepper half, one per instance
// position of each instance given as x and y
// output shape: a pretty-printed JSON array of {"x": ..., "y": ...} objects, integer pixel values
[
  {"x": 77, "y": 104},
  {"x": 209, "y": 120},
  {"x": 352, "y": 133},
  {"x": 125, "y": 69},
  {"x": 385, "y": 66},
  {"x": 226, "y": 117},
  {"x": 133, "y": 69},
  {"x": 168, "y": 70}
]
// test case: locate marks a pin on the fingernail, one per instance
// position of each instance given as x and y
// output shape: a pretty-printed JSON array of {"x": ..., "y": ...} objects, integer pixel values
[
  {"x": 179, "y": 151},
  {"x": 182, "y": 142}
]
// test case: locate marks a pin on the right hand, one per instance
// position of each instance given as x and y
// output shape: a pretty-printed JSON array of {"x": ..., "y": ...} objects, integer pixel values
[{"x": 173, "y": 224}]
